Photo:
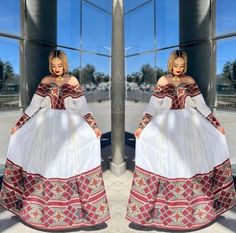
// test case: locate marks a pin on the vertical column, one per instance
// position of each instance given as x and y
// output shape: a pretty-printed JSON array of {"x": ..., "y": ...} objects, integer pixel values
[
  {"x": 196, "y": 31},
  {"x": 118, "y": 165},
  {"x": 39, "y": 29}
]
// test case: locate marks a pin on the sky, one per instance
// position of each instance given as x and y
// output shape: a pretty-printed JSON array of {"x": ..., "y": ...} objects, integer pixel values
[{"x": 94, "y": 32}]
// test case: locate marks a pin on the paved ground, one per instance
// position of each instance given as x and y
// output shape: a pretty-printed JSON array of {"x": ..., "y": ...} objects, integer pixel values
[{"x": 118, "y": 187}]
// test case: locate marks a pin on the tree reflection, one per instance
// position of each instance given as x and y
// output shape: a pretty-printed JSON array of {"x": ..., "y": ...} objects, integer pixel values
[
  {"x": 9, "y": 86},
  {"x": 226, "y": 86}
]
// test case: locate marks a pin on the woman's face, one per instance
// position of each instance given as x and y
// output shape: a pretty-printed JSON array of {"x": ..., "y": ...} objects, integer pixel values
[
  {"x": 57, "y": 66},
  {"x": 178, "y": 66}
]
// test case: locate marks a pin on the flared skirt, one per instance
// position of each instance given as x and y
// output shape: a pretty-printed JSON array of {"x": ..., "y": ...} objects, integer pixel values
[
  {"x": 53, "y": 178},
  {"x": 183, "y": 178}
]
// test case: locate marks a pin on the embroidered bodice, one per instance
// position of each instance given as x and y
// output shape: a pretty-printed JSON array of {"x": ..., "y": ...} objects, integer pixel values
[
  {"x": 58, "y": 97},
  {"x": 174, "y": 98}
]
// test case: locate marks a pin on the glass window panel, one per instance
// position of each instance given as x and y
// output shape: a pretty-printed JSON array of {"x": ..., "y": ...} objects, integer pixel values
[
  {"x": 96, "y": 29},
  {"x": 9, "y": 73},
  {"x": 225, "y": 16},
  {"x": 10, "y": 16},
  {"x": 140, "y": 77},
  {"x": 139, "y": 29},
  {"x": 105, "y": 4},
  {"x": 129, "y": 5},
  {"x": 167, "y": 23},
  {"x": 95, "y": 76},
  {"x": 140, "y": 81},
  {"x": 95, "y": 79},
  {"x": 226, "y": 73},
  {"x": 68, "y": 26}
]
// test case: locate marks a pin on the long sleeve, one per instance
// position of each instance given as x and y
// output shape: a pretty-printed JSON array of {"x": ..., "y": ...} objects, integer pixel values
[
  {"x": 84, "y": 111},
  {"x": 151, "y": 110},
  {"x": 205, "y": 110},
  {"x": 30, "y": 110}
]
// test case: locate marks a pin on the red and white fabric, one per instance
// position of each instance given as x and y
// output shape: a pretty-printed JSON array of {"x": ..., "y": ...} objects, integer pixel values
[
  {"x": 183, "y": 177},
  {"x": 53, "y": 178}
]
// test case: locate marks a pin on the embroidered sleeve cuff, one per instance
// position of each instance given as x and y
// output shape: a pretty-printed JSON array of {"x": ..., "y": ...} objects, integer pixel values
[
  {"x": 213, "y": 120},
  {"x": 22, "y": 120},
  {"x": 145, "y": 120},
  {"x": 90, "y": 120}
]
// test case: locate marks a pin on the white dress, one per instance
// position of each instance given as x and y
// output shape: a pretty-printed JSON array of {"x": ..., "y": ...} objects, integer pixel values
[
  {"x": 183, "y": 177},
  {"x": 53, "y": 177}
]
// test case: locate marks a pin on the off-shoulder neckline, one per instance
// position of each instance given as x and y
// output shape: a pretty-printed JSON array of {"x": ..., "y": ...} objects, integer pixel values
[
  {"x": 65, "y": 84},
  {"x": 175, "y": 86}
]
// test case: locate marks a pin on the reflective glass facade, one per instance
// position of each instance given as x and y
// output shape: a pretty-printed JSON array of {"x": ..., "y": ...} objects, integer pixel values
[
  {"x": 86, "y": 41},
  {"x": 84, "y": 32},
  {"x": 226, "y": 54},
  {"x": 9, "y": 55}
]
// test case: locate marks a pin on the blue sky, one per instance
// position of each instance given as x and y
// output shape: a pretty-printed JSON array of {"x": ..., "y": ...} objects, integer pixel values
[{"x": 96, "y": 31}]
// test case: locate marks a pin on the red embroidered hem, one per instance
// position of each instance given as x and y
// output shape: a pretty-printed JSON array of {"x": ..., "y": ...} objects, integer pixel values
[
  {"x": 55, "y": 204},
  {"x": 182, "y": 203}
]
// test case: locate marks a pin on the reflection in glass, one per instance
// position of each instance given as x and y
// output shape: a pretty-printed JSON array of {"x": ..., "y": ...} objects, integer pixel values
[
  {"x": 9, "y": 73},
  {"x": 140, "y": 77},
  {"x": 96, "y": 29},
  {"x": 225, "y": 16},
  {"x": 167, "y": 23},
  {"x": 68, "y": 26},
  {"x": 129, "y": 5},
  {"x": 10, "y": 16},
  {"x": 95, "y": 77},
  {"x": 140, "y": 82},
  {"x": 226, "y": 73},
  {"x": 105, "y": 4},
  {"x": 139, "y": 29}
]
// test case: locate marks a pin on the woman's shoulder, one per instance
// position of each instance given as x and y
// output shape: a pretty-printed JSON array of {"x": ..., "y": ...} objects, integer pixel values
[
  {"x": 162, "y": 81},
  {"x": 191, "y": 85},
  {"x": 188, "y": 79},
  {"x": 73, "y": 81},
  {"x": 46, "y": 80}
]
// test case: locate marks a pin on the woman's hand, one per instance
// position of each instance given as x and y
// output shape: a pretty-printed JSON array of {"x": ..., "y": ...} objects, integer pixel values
[
  {"x": 14, "y": 129},
  {"x": 221, "y": 129},
  {"x": 137, "y": 132},
  {"x": 98, "y": 132}
]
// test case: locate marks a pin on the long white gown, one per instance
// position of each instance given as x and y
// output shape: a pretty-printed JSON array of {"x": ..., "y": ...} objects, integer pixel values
[
  {"x": 182, "y": 178},
  {"x": 53, "y": 178}
]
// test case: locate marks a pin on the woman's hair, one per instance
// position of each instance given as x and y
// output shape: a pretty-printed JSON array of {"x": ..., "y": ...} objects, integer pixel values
[
  {"x": 60, "y": 55},
  {"x": 173, "y": 56}
]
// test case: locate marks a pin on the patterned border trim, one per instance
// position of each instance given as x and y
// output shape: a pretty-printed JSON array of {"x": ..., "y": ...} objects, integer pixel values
[
  {"x": 55, "y": 204},
  {"x": 213, "y": 120},
  {"x": 145, "y": 120},
  {"x": 166, "y": 90},
  {"x": 73, "y": 91},
  {"x": 181, "y": 203},
  {"x": 90, "y": 120},
  {"x": 24, "y": 118}
]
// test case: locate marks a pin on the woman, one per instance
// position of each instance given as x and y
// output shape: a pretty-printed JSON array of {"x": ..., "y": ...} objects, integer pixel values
[
  {"x": 183, "y": 177},
  {"x": 53, "y": 178}
]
